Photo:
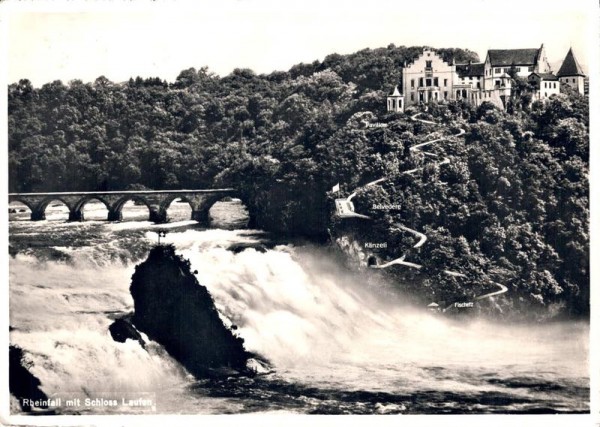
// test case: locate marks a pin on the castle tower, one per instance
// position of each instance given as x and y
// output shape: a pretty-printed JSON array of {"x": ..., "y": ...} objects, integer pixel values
[
  {"x": 571, "y": 73},
  {"x": 395, "y": 101}
]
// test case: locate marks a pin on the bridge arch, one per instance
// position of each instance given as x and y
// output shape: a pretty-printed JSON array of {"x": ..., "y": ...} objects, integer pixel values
[
  {"x": 19, "y": 211},
  {"x": 166, "y": 203},
  {"x": 25, "y": 202},
  {"x": 171, "y": 212},
  {"x": 156, "y": 201},
  {"x": 77, "y": 213},
  {"x": 237, "y": 217},
  {"x": 39, "y": 211},
  {"x": 115, "y": 210}
]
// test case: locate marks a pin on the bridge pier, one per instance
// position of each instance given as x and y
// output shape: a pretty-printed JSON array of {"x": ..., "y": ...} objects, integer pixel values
[
  {"x": 158, "y": 216},
  {"x": 38, "y": 215},
  {"x": 202, "y": 216},
  {"x": 114, "y": 215},
  {"x": 76, "y": 215},
  {"x": 251, "y": 221}
]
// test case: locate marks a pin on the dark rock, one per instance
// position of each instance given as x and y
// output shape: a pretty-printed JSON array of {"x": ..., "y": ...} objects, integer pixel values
[
  {"x": 122, "y": 330},
  {"x": 173, "y": 309},
  {"x": 240, "y": 247},
  {"x": 279, "y": 207},
  {"x": 22, "y": 383}
]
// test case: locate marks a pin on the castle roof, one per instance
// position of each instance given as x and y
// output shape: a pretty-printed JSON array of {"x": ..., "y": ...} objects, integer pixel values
[
  {"x": 570, "y": 66},
  {"x": 470, "y": 70},
  {"x": 507, "y": 57},
  {"x": 545, "y": 76},
  {"x": 394, "y": 92}
]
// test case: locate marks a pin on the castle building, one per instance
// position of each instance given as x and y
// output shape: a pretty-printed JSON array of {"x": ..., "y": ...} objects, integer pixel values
[
  {"x": 469, "y": 81},
  {"x": 500, "y": 64},
  {"x": 571, "y": 73},
  {"x": 430, "y": 78},
  {"x": 546, "y": 84}
]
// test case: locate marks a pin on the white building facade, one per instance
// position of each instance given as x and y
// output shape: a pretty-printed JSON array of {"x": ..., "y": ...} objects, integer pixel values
[{"x": 430, "y": 78}]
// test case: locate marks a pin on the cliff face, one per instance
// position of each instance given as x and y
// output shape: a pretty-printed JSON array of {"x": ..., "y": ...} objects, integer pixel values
[
  {"x": 23, "y": 385},
  {"x": 283, "y": 208},
  {"x": 173, "y": 309}
]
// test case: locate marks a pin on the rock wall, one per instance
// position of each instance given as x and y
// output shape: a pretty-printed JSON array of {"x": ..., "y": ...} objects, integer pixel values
[
  {"x": 23, "y": 384},
  {"x": 173, "y": 309}
]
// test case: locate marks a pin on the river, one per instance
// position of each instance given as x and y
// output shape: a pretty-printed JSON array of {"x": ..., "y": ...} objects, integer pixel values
[{"x": 339, "y": 342}]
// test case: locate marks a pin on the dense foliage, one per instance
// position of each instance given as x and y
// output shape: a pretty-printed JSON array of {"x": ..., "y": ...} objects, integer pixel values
[{"x": 512, "y": 205}]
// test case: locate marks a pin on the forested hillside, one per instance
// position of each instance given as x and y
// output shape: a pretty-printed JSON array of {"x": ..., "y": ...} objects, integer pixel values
[
  {"x": 86, "y": 136},
  {"x": 512, "y": 205}
]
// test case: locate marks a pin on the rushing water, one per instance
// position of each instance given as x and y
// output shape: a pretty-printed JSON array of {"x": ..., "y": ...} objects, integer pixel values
[{"x": 339, "y": 342}]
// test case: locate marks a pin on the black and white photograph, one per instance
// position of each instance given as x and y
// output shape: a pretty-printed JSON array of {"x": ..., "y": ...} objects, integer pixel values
[{"x": 256, "y": 208}]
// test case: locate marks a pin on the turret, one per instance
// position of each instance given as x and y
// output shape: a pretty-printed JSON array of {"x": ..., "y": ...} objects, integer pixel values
[
  {"x": 395, "y": 101},
  {"x": 571, "y": 73}
]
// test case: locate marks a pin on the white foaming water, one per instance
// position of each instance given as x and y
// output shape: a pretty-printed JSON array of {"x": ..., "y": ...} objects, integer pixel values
[
  {"x": 315, "y": 320},
  {"x": 61, "y": 314},
  {"x": 319, "y": 324}
]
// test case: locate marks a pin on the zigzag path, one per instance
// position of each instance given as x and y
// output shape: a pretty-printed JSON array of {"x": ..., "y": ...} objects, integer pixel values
[{"x": 421, "y": 236}]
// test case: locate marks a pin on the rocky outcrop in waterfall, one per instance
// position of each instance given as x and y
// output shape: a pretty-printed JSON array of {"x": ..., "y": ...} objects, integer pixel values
[
  {"x": 23, "y": 384},
  {"x": 173, "y": 309},
  {"x": 121, "y": 330}
]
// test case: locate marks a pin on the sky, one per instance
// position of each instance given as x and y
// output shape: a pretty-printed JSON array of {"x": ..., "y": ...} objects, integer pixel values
[{"x": 50, "y": 41}]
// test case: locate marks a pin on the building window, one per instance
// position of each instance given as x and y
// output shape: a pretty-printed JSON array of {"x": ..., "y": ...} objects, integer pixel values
[
  {"x": 554, "y": 85},
  {"x": 436, "y": 95},
  {"x": 412, "y": 96},
  {"x": 428, "y": 82},
  {"x": 412, "y": 83},
  {"x": 435, "y": 81},
  {"x": 530, "y": 69},
  {"x": 445, "y": 82},
  {"x": 478, "y": 85},
  {"x": 497, "y": 70},
  {"x": 497, "y": 82},
  {"x": 428, "y": 63},
  {"x": 420, "y": 81},
  {"x": 445, "y": 94}
]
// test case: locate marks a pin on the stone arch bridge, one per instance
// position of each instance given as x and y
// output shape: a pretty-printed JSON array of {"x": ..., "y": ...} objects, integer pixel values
[{"x": 157, "y": 202}]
